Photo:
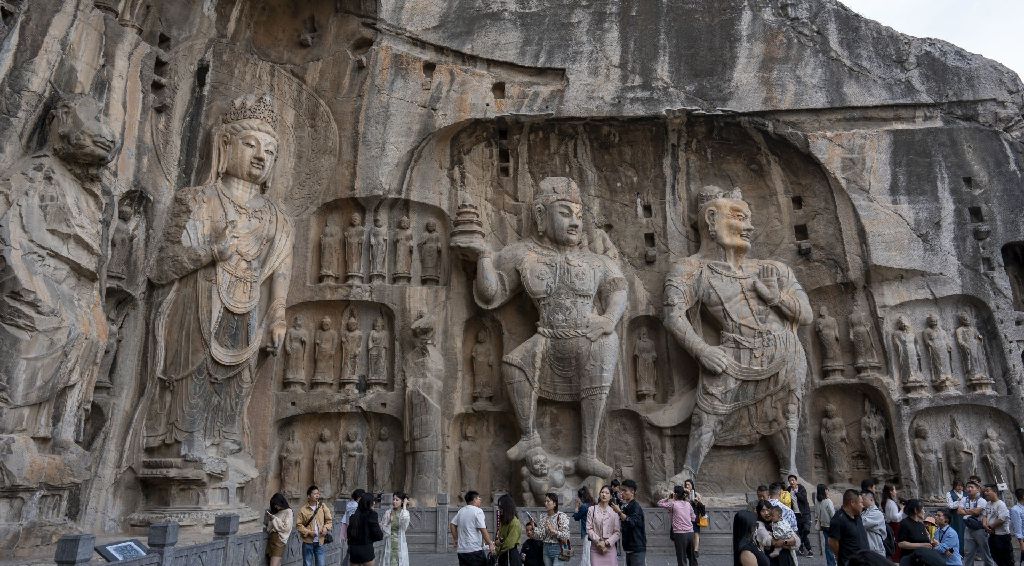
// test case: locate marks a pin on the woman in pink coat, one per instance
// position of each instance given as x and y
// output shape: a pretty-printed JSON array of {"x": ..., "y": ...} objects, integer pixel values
[{"x": 603, "y": 530}]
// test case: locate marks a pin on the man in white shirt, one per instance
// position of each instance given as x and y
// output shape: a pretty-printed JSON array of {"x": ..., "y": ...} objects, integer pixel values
[
  {"x": 996, "y": 519},
  {"x": 975, "y": 536},
  {"x": 469, "y": 533},
  {"x": 874, "y": 523}
]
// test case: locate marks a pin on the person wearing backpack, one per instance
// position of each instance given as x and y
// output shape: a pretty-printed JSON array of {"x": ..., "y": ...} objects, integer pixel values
[
  {"x": 874, "y": 523},
  {"x": 363, "y": 530},
  {"x": 975, "y": 536},
  {"x": 314, "y": 525}
]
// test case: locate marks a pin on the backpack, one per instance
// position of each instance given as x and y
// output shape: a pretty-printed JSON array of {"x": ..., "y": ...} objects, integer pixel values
[{"x": 889, "y": 542}]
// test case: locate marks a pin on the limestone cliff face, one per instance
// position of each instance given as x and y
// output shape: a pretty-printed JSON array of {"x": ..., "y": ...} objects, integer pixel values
[{"x": 885, "y": 170}]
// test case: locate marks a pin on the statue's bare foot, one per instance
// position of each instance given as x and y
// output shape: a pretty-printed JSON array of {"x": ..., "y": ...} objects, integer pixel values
[
  {"x": 587, "y": 465},
  {"x": 519, "y": 451}
]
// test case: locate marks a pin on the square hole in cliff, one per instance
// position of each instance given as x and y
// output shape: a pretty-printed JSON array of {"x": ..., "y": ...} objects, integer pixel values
[
  {"x": 801, "y": 233},
  {"x": 976, "y": 214},
  {"x": 798, "y": 203}
]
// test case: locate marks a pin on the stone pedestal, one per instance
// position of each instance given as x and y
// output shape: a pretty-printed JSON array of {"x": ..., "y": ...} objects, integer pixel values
[{"x": 193, "y": 494}]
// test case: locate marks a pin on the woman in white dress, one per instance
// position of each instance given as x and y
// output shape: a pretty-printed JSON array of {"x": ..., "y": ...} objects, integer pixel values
[{"x": 395, "y": 523}]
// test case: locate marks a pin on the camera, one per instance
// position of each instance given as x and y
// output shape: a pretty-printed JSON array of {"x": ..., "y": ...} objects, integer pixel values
[{"x": 377, "y": 497}]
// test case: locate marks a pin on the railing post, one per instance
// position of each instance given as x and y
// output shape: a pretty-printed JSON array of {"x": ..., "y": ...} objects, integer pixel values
[
  {"x": 74, "y": 550},
  {"x": 441, "y": 540},
  {"x": 162, "y": 539},
  {"x": 225, "y": 527}
]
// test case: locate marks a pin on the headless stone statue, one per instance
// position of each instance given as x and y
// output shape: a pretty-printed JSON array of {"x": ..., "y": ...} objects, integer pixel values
[
  {"x": 750, "y": 381},
  {"x": 482, "y": 357},
  {"x": 866, "y": 352},
  {"x": 573, "y": 355},
  {"x": 940, "y": 355},
  {"x": 998, "y": 466},
  {"x": 295, "y": 342},
  {"x": 353, "y": 462},
  {"x": 960, "y": 455}
]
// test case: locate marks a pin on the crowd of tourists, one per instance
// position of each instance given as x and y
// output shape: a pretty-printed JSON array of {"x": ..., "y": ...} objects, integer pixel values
[
  {"x": 878, "y": 528},
  {"x": 870, "y": 528}
]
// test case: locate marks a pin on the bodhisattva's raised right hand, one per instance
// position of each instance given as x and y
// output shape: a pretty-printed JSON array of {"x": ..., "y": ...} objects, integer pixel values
[
  {"x": 225, "y": 241},
  {"x": 714, "y": 359}
]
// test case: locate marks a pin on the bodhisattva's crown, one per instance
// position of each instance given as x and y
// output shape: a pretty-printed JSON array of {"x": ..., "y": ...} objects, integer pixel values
[
  {"x": 712, "y": 193},
  {"x": 554, "y": 189},
  {"x": 252, "y": 107}
]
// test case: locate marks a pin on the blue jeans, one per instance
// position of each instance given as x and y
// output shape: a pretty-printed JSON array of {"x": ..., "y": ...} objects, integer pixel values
[
  {"x": 313, "y": 554},
  {"x": 551, "y": 552},
  {"x": 830, "y": 559}
]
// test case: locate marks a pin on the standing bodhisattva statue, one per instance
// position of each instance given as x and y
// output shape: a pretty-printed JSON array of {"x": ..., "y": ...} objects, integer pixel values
[
  {"x": 738, "y": 316},
  {"x": 573, "y": 355},
  {"x": 225, "y": 266}
]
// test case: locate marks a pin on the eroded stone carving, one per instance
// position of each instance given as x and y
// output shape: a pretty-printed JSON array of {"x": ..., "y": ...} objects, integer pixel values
[
  {"x": 470, "y": 458},
  {"x": 224, "y": 244},
  {"x": 352, "y": 349},
  {"x": 295, "y": 342},
  {"x": 866, "y": 353},
  {"x": 998, "y": 466},
  {"x": 384, "y": 461},
  {"x": 325, "y": 460},
  {"x": 121, "y": 261},
  {"x": 645, "y": 358},
  {"x": 377, "y": 357},
  {"x": 972, "y": 354},
  {"x": 423, "y": 370},
  {"x": 330, "y": 253},
  {"x": 53, "y": 207},
  {"x": 353, "y": 462},
  {"x": 755, "y": 306},
  {"x": 482, "y": 357},
  {"x": 543, "y": 475},
  {"x": 325, "y": 353},
  {"x": 940, "y": 353},
  {"x": 827, "y": 329},
  {"x": 833, "y": 436},
  {"x": 291, "y": 465},
  {"x": 960, "y": 455},
  {"x": 873, "y": 431},
  {"x": 908, "y": 360},
  {"x": 574, "y": 353},
  {"x": 431, "y": 249},
  {"x": 378, "y": 251},
  {"x": 354, "y": 236},
  {"x": 929, "y": 463},
  {"x": 404, "y": 247}
]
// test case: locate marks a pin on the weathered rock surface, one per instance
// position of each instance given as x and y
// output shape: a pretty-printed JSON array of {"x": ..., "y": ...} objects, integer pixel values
[{"x": 884, "y": 171}]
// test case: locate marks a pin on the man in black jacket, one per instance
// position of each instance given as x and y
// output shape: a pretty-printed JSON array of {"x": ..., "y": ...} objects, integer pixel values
[
  {"x": 803, "y": 515},
  {"x": 634, "y": 535}
]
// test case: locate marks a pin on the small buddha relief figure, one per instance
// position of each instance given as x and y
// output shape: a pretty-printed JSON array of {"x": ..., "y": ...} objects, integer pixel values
[
  {"x": 645, "y": 356},
  {"x": 295, "y": 342},
  {"x": 431, "y": 249},
  {"x": 326, "y": 348},
  {"x": 330, "y": 253},
  {"x": 377, "y": 357},
  {"x": 378, "y": 251},
  {"x": 403, "y": 251},
  {"x": 352, "y": 349},
  {"x": 940, "y": 356},
  {"x": 354, "y": 236},
  {"x": 483, "y": 367}
]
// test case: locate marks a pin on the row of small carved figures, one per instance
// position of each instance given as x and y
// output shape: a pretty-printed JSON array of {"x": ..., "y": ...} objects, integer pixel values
[
  {"x": 334, "y": 244},
  {"x": 350, "y": 453},
  {"x": 327, "y": 345}
]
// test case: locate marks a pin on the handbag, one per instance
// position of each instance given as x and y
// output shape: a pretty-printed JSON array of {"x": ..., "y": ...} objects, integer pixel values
[
  {"x": 565, "y": 550},
  {"x": 703, "y": 521}
]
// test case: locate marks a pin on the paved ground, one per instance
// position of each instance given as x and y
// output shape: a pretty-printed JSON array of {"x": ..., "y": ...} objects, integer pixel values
[{"x": 652, "y": 560}]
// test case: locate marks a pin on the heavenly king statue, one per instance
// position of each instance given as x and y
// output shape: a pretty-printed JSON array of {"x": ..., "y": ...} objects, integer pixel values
[
  {"x": 225, "y": 265},
  {"x": 738, "y": 317},
  {"x": 580, "y": 296}
]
